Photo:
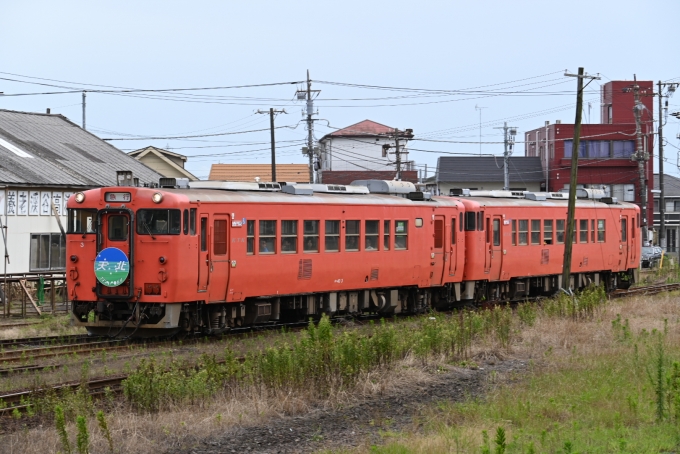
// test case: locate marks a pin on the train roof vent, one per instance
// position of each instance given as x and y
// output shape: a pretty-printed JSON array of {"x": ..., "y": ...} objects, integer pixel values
[
  {"x": 386, "y": 186},
  {"x": 587, "y": 193},
  {"x": 333, "y": 188},
  {"x": 459, "y": 192},
  {"x": 179, "y": 183},
  {"x": 296, "y": 190},
  {"x": 419, "y": 195},
  {"x": 498, "y": 194},
  {"x": 235, "y": 186},
  {"x": 538, "y": 196},
  {"x": 558, "y": 195},
  {"x": 609, "y": 200}
]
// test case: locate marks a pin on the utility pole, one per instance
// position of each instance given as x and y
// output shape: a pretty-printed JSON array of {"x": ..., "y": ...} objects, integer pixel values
[
  {"x": 640, "y": 156},
  {"x": 569, "y": 234},
  {"x": 271, "y": 127},
  {"x": 307, "y": 95},
  {"x": 84, "y": 110},
  {"x": 480, "y": 126},
  {"x": 662, "y": 199},
  {"x": 407, "y": 134},
  {"x": 508, "y": 143}
]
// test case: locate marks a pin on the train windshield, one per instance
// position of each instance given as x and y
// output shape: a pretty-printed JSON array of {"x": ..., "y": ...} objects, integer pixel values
[
  {"x": 159, "y": 222},
  {"x": 82, "y": 221}
]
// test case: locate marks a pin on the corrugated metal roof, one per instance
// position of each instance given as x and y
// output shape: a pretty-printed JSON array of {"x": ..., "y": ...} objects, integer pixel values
[
  {"x": 671, "y": 185},
  {"x": 61, "y": 153},
  {"x": 296, "y": 173},
  {"x": 452, "y": 169}
]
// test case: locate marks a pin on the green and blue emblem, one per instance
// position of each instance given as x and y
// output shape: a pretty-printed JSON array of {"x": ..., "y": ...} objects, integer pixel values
[{"x": 111, "y": 267}]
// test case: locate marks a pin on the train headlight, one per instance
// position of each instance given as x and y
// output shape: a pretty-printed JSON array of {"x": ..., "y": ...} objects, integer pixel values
[
  {"x": 80, "y": 197},
  {"x": 157, "y": 197}
]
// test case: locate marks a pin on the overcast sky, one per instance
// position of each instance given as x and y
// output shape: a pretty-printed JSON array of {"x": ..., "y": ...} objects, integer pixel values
[{"x": 519, "y": 49}]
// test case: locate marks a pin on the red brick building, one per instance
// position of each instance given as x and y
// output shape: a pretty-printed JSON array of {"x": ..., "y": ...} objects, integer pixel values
[{"x": 606, "y": 148}]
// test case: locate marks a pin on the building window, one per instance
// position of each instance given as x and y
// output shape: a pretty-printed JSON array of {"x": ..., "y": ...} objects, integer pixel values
[
  {"x": 48, "y": 252},
  {"x": 118, "y": 227},
  {"x": 514, "y": 232},
  {"x": 535, "y": 231},
  {"x": 676, "y": 205},
  {"x": 220, "y": 237},
  {"x": 289, "y": 236},
  {"x": 332, "y": 236},
  {"x": 352, "y": 235},
  {"x": 656, "y": 206},
  {"x": 583, "y": 235},
  {"x": 547, "y": 231},
  {"x": 569, "y": 146},
  {"x": 267, "y": 237},
  {"x": 311, "y": 236},
  {"x": 372, "y": 231},
  {"x": 600, "y": 231},
  {"x": 250, "y": 240},
  {"x": 623, "y": 148},
  {"x": 559, "y": 231},
  {"x": 523, "y": 232},
  {"x": 400, "y": 235},
  {"x": 386, "y": 235}
]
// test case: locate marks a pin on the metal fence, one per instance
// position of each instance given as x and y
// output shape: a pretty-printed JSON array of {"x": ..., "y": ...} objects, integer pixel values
[{"x": 33, "y": 294}]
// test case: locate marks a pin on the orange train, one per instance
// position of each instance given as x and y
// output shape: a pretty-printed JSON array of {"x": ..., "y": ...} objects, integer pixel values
[{"x": 157, "y": 261}]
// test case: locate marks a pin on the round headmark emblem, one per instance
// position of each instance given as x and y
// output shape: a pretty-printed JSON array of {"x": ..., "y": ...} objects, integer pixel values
[{"x": 111, "y": 267}]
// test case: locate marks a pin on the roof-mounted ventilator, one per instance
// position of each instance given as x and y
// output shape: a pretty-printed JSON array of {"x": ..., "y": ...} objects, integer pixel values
[
  {"x": 176, "y": 183},
  {"x": 399, "y": 188},
  {"x": 236, "y": 186},
  {"x": 325, "y": 188},
  {"x": 124, "y": 178}
]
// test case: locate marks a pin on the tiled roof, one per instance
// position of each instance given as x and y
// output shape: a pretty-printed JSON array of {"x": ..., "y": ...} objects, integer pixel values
[
  {"x": 362, "y": 129},
  {"x": 452, "y": 169},
  {"x": 42, "y": 149},
  {"x": 297, "y": 173},
  {"x": 671, "y": 185}
]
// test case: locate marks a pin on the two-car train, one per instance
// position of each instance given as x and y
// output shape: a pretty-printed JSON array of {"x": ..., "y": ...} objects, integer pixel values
[{"x": 157, "y": 261}]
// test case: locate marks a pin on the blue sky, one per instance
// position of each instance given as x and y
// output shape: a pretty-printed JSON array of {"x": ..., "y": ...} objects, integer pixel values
[{"x": 430, "y": 45}]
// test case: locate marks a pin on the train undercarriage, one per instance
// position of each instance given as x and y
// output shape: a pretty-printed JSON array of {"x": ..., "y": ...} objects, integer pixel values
[{"x": 135, "y": 319}]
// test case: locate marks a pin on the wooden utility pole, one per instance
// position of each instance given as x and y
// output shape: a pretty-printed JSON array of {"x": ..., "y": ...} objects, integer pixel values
[
  {"x": 569, "y": 234},
  {"x": 271, "y": 113},
  {"x": 308, "y": 96},
  {"x": 662, "y": 196},
  {"x": 84, "y": 110}
]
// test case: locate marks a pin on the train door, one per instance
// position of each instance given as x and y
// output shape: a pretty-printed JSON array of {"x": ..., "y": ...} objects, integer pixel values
[
  {"x": 623, "y": 243},
  {"x": 487, "y": 238},
  {"x": 113, "y": 268},
  {"x": 453, "y": 248},
  {"x": 437, "y": 255},
  {"x": 632, "y": 241},
  {"x": 219, "y": 258},
  {"x": 203, "y": 254},
  {"x": 496, "y": 248}
]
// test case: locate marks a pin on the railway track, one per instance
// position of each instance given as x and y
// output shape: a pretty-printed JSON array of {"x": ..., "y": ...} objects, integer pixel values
[{"x": 96, "y": 387}]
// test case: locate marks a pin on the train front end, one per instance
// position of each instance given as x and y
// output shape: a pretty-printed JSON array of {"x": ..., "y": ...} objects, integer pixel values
[{"x": 123, "y": 245}]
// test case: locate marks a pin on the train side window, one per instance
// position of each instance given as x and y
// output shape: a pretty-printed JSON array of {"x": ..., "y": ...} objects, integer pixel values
[
  {"x": 460, "y": 222},
  {"x": 592, "y": 230},
  {"x": 159, "y": 222},
  {"x": 535, "y": 231},
  {"x": 185, "y": 222},
  {"x": 267, "y": 237},
  {"x": 632, "y": 229},
  {"x": 220, "y": 237},
  {"x": 352, "y": 229},
  {"x": 311, "y": 236},
  {"x": 332, "y": 236},
  {"x": 204, "y": 234},
  {"x": 289, "y": 237},
  {"x": 250, "y": 240},
  {"x": 81, "y": 221},
  {"x": 453, "y": 230},
  {"x": 400, "y": 235},
  {"x": 470, "y": 218},
  {"x": 559, "y": 231},
  {"x": 480, "y": 221},
  {"x": 496, "y": 232},
  {"x": 514, "y": 232},
  {"x": 600, "y": 231},
  {"x": 488, "y": 230},
  {"x": 624, "y": 230},
  {"x": 192, "y": 221},
  {"x": 438, "y": 234},
  {"x": 118, "y": 227},
  {"x": 386, "y": 235},
  {"x": 372, "y": 232},
  {"x": 547, "y": 231},
  {"x": 583, "y": 235},
  {"x": 523, "y": 232}
]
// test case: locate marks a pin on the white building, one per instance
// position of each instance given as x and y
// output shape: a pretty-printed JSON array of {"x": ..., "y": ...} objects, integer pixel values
[
  {"x": 360, "y": 148},
  {"x": 43, "y": 160}
]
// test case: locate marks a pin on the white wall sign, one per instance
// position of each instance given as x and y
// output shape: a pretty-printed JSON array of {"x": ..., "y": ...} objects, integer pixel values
[
  {"x": 22, "y": 202},
  {"x": 57, "y": 201},
  {"x": 3, "y": 202},
  {"x": 46, "y": 203},
  {"x": 12, "y": 202},
  {"x": 34, "y": 203},
  {"x": 67, "y": 195}
]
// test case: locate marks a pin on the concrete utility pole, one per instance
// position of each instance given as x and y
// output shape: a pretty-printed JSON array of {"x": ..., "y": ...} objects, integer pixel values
[
  {"x": 397, "y": 134},
  {"x": 508, "y": 143},
  {"x": 480, "y": 126},
  {"x": 569, "y": 234},
  {"x": 307, "y": 95},
  {"x": 84, "y": 110},
  {"x": 641, "y": 157},
  {"x": 271, "y": 113},
  {"x": 662, "y": 199}
]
